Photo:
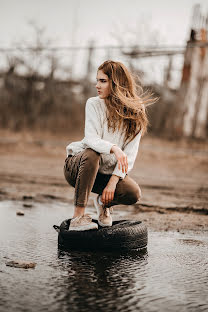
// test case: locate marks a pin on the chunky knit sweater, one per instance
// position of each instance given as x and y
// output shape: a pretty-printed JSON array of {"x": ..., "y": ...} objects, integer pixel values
[{"x": 99, "y": 138}]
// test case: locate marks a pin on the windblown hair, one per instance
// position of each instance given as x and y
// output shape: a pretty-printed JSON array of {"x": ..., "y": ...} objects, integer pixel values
[{"x": 126, "y": 101}]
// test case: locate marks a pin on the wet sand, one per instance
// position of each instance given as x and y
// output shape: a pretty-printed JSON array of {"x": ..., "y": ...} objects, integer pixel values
[{"x": 172, "y": 176}]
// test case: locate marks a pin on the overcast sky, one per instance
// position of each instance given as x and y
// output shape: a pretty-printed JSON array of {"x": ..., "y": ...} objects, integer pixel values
[{"x": 78, "y": 21}]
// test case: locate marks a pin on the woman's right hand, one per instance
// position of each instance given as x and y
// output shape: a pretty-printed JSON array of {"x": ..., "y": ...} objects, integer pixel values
[{"x": 121, "y": 157}]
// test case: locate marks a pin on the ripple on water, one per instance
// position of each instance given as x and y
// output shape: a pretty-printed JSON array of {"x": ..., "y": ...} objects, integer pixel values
[{"x": 171, "y": 276}]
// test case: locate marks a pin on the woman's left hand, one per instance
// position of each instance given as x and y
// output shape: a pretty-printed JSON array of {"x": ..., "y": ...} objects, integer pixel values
[{"x": 108, "y": 193}]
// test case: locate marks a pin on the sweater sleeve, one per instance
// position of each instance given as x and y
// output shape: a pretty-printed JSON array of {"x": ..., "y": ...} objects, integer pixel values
[
  {"x": 93, "y": 129},
  {"x": 131, "y": 150}
]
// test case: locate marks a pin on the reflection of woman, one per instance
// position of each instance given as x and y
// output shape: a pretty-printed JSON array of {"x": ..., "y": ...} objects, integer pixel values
[
  {"x": 114, "y": 123},
  {"x": 106, "y": 289}
]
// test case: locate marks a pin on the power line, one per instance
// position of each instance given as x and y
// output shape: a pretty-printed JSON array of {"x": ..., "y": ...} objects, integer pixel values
[{"x": 144, "y": 48}]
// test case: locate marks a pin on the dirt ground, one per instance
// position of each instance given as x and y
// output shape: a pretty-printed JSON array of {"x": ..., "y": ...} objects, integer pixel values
[{"x": 173, "y": 177}]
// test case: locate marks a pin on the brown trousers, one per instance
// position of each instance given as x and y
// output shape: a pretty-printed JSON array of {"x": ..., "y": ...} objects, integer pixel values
[{"x": 81, "y": 172}]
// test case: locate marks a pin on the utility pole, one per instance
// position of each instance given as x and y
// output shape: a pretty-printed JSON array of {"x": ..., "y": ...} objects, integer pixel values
[{"x": 89, "y": 69}]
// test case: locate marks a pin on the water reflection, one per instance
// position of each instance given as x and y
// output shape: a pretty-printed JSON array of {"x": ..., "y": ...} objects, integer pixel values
[
  {"x": 172, "y": 276},
  {"x": 102, "y": 281}
]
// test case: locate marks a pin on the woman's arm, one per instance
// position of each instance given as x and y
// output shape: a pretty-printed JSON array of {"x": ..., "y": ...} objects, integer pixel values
[
  {"x": 131, "y": 150},
  {"x": 93, "y": 130}
]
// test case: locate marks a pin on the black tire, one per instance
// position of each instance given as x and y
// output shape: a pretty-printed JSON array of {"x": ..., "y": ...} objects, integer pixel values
[{"x": 122, "y": 235}]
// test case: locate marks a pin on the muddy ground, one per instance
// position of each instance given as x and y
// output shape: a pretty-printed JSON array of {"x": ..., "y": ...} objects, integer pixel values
[{"x": 173, "y": 176}]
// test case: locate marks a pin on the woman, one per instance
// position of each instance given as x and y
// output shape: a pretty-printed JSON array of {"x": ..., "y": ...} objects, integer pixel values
[{"x": 115, "y": 120}]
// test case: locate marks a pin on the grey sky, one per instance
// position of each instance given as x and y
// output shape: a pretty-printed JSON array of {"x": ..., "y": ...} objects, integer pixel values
[
  {"x": 76, "y": 22},
  {"x": 95, "y": 19}
]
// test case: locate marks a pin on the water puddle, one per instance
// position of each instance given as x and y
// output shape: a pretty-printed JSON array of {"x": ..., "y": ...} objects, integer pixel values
[{"x": 171, "y": 276}]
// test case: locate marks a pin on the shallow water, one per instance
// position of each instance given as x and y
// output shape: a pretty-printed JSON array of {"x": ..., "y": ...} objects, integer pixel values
[{"x": 171, "y": 276}]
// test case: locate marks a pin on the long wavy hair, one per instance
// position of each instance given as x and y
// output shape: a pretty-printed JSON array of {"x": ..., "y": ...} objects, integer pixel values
[{"x": 126, "y": 102}]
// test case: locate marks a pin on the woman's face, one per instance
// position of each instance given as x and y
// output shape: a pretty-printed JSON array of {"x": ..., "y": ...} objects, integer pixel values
[{"x": 103, "y": 85}]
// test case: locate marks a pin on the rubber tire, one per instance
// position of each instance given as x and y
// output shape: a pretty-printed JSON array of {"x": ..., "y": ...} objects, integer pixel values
[{"x": 122, "y": 235}]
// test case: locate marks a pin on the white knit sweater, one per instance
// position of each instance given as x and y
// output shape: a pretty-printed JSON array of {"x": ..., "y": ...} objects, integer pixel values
[{"x": 100, "y": 139}]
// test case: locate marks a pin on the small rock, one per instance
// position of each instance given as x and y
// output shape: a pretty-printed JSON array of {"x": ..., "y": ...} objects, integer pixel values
[
  {"x": 21, "y": 264},
  {"x": 26, "y": 197},
  {"x": 20, "y": 213},
  {"x": 27, "y": 205}
]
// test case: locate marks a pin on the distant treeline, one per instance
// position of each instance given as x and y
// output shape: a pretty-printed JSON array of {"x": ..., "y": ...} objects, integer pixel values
[
  {"x": 46, "y": 103},
  {"x": 50, "y": 103},
  {"x": 41, "y": 102}
]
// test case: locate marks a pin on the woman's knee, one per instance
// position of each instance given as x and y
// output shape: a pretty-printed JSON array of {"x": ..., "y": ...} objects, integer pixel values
[
  {"x": 135, "y": 195},
  {"x": 132, "y": 195},
  {"x": 138, "y": 193}
]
